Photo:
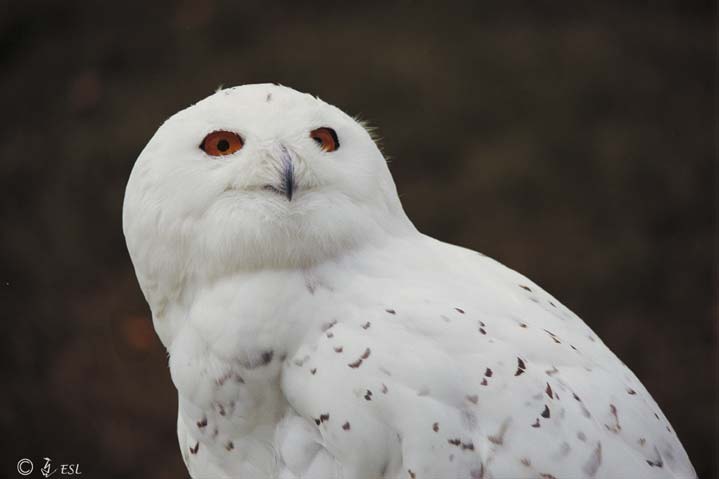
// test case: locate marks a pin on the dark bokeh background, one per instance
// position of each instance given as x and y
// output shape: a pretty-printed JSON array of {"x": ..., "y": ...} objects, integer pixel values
[{"x": 572, "y": 141}]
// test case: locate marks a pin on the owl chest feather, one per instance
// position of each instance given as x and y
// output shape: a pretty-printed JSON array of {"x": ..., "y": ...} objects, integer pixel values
[{"x": 226, "y": 363}]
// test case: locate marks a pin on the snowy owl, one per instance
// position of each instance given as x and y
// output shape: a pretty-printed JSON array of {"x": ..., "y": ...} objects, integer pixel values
[{"x": 314, "y": 333}]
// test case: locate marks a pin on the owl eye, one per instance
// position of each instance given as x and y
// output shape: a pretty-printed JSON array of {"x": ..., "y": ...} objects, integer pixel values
[
  {"x": 221, "y": 143},
  {"x": 326, "y": 138}
]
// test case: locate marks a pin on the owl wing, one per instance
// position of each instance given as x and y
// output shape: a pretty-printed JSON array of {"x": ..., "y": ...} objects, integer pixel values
[{"x": 474, "y": 373}]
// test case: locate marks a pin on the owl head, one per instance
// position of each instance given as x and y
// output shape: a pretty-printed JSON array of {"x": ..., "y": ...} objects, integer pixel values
[{"x": 254, "y": 177}]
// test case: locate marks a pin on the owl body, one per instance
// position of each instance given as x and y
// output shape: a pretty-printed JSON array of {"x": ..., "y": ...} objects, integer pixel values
[{"x": 314, "y": 333}]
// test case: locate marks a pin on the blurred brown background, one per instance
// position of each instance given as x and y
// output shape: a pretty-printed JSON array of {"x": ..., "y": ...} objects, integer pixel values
[{"x": 572, "y": 141}]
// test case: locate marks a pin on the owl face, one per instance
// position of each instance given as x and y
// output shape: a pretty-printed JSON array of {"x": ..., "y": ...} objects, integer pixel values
[{"x": 256, "y": 176}]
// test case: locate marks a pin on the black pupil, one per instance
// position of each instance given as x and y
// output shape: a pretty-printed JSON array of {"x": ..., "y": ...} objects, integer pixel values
[
  {"x": 318, "y": 140},
  {"x": 223, "y": 145}
]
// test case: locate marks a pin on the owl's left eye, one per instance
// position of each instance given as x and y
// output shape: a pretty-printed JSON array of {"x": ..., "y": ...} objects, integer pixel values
[
  {"x": 326, "y": 138},
  {"x": 221, "y": 143}
]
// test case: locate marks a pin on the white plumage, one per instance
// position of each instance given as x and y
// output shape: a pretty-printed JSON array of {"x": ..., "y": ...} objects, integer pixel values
[{"x": 314, "y": 333}]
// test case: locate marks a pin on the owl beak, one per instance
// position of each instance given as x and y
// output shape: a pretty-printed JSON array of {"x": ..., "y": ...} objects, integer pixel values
[
  {"x": 286, "y": 170},
  {"x": 287, "y": 181}
]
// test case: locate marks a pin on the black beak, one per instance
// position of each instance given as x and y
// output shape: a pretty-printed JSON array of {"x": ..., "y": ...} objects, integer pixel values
[
  {"x": 287, "y": 183},
  {"x": 286, "y": 186}
]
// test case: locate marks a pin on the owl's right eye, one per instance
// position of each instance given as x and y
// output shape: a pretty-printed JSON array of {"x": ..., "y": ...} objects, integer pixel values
[
  {"x": 326, "y": 138},
  {"x": 221, "y": 143}
]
